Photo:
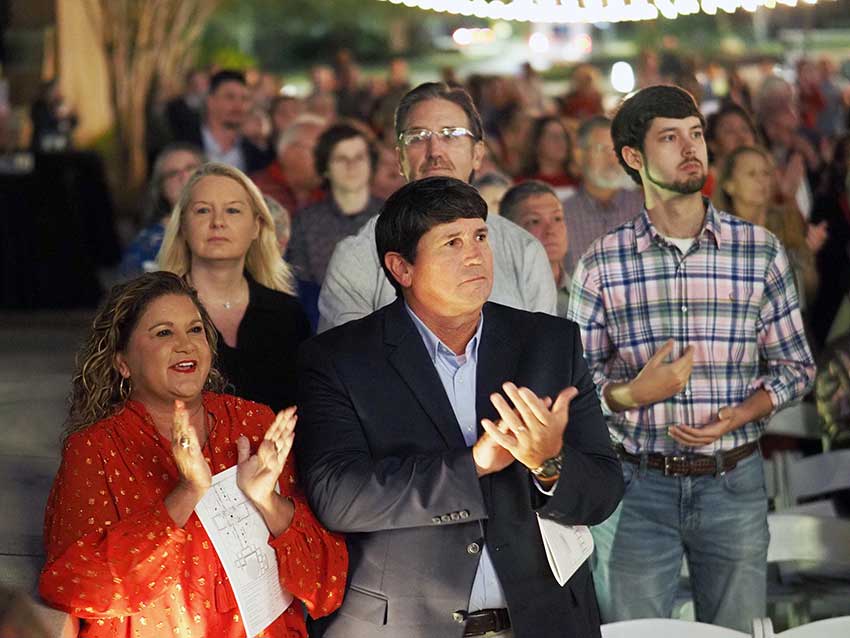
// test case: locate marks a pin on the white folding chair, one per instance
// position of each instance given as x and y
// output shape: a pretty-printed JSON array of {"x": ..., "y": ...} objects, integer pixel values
[
  {"x": 654, "y": 627},
  {"x": 829, "y": 628},
  {"x": 799, "y": 421},
  {"x": 811, "y": 555},
  {"x": 791, "y": 478}
]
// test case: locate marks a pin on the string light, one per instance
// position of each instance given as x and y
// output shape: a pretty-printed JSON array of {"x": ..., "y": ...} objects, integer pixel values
[{"x": 590, "y": 11}]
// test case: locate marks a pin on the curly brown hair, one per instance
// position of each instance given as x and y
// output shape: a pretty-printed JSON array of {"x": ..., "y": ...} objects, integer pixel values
[{"x": 96, "y": 391}]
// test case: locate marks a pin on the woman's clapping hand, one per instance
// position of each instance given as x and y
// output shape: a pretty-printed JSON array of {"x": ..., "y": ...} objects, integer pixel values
[
  {"x": 257, "y": 474},
  {"x": 186, "y": 449}
]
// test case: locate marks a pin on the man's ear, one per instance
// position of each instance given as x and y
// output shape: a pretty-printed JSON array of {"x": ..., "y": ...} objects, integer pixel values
[
  {"x": 399, "y": 155},
  {"x": 400, "y": 269},
  {"x": 478, "y": 151},
  {"x": 633, "y": 158}
]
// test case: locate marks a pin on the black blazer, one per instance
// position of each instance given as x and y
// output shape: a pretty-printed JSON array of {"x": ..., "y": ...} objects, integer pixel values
[
  {"x": 262, "y": 365},
  {"x": 382, "y": 459},
  {"x": 256, "y": 159}
]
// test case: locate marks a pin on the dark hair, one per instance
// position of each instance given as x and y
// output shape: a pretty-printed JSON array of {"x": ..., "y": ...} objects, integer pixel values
[
  {"x": 589, "y": 125},
  {"x": 833, "y": 182},
  {"x": 712, "y": 122},
  {"x": 333, "y": 136},
  {"x": 416, "y": 208},
  {"x": 636, "y": 113},
  {"x": 96, "y": 385},
  {"x": 516, "y": 195},
  {"x": 530, "y": 164},
  {"x": 438, "y": 91},
  {"x": 226, "y": 75}
]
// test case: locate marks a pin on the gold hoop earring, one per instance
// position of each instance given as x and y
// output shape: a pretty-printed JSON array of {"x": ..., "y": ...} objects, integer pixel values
[{"x": 125, "y": 387}]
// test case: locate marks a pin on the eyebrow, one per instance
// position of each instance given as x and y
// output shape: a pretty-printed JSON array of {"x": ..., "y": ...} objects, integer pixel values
[
  {"x": 233, "y": 201},
  {"x": 460, "y": 232},
  {"x": 171, "y": 323},
  {"x": 676, "y": 128}
]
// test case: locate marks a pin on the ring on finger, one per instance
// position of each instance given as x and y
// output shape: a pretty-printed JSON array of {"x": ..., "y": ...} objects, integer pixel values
[{"x": 184, "y": 442}]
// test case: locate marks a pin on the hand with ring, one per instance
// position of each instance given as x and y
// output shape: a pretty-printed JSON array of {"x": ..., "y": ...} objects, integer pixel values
[
  {"x": 257, "y": 474},
  {"x": 186, "y": 450}
]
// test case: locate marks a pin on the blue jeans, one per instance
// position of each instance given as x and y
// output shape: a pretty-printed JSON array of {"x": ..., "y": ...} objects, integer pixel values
[{"x": 718, "y": 523}]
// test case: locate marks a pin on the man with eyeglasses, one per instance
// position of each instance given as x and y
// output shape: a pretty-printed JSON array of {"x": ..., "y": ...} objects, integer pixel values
[
  {"x": 606, "y": 197},
  {"x": 438, "y": 132}
]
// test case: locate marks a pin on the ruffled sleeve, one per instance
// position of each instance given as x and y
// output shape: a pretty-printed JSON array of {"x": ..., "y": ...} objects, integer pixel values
[{"x": 99, "y": 565}]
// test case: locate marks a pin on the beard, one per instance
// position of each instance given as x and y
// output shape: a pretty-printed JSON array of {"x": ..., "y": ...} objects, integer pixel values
[{"x": 681, "y": 186}]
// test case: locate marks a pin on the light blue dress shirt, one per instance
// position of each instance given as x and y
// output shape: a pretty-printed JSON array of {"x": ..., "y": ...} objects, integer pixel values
[
  {"x": 234, "y": 157},
  {"x": 458, "y": 375}
]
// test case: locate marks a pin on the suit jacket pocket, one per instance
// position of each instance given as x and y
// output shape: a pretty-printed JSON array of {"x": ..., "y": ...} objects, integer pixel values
[{"x": 364, "y": 605}]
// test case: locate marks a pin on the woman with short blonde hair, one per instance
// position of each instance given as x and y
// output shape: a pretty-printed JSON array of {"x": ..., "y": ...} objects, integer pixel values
[{"x": 221, "y": 238}]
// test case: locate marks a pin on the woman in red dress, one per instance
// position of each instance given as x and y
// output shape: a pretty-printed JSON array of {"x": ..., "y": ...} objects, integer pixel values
[{"x": 147, "y": 430}]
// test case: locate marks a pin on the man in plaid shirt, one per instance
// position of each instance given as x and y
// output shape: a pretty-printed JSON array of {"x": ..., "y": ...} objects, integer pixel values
[{"x": 692, "y": 331}]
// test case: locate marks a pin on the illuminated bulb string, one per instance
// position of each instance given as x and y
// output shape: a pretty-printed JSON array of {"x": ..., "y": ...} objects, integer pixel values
[{"x": 590, "y": 10}]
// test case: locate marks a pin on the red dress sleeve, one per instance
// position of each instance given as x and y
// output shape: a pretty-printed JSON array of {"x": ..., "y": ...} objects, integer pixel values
[{"x": 99, "y": 565}]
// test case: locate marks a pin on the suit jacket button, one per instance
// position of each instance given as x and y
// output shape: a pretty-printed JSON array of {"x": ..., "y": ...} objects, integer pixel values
[
  {"x": 446, "y": 518},
  {"x": 436, "y": 520},
  {"x": 455, "y": 516},
  {"x": 464, "y": 513},
  {"x": 473, "y": 548},
  {"x": 459, "y": 616}
]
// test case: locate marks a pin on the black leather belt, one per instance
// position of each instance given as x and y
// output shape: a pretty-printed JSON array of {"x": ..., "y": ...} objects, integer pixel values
[
  {"x": 691, "y": 464},
  {"x": 483, "y": 621}
]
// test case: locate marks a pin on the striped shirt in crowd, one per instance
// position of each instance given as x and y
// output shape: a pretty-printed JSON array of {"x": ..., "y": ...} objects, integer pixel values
[{"x": 731, "y": 297}]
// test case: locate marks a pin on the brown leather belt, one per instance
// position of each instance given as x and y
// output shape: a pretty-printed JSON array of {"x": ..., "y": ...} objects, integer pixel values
[
  {"x": 483, "y": 621},
  {"x": 691, "y": 464}
]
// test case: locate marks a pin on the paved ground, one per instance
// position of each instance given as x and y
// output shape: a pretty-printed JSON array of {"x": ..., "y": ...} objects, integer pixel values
[{"x": 36, "y": 359}]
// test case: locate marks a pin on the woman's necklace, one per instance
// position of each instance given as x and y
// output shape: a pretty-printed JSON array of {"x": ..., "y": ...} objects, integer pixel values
[{"x": 227, "y": 304}]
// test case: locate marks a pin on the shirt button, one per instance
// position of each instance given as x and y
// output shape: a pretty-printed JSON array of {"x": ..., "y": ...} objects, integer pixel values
[
  {"x": 684, "y": 308},
  {"x": 473, "y": 548},
  {"x": 687, "y": 392}
]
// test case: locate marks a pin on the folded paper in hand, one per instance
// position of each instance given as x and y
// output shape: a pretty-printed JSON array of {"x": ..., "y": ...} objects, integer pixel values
[
  {"x": 567, "y": 547},
  {"x": 241, "y": 540}
]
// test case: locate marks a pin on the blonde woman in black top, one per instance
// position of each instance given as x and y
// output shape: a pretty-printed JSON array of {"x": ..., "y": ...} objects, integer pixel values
[{"x": 221, "y": 238}]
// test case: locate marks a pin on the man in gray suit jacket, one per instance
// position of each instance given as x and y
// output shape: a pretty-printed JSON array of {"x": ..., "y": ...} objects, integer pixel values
[{"x": 428, "y": 436}]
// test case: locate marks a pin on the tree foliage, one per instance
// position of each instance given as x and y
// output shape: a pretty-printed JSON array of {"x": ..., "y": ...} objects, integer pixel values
[
  {"x": 145, "y": 42},
  {"x": 290, "y": 34}
]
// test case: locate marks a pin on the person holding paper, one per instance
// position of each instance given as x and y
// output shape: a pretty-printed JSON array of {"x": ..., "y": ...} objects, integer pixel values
[
  {"x": 435, "y": 431},
  {"x": 147, "y": 431}
]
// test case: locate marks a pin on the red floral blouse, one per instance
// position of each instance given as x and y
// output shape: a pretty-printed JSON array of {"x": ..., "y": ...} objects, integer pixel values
[{"x": 116, "y": 560}]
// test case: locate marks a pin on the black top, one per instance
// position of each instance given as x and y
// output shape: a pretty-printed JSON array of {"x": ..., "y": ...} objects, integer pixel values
[{"x": 262, "y": 366}]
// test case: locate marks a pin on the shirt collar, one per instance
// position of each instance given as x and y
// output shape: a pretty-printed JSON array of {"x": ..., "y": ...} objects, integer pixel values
[
  {"x": 209, "y": 140},
  {"x": 646, "y": 234},
  {"x": 436, "y": 347}
]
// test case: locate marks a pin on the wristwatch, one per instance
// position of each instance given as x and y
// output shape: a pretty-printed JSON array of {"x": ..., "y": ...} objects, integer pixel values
[{"x": 550, "y": 468}]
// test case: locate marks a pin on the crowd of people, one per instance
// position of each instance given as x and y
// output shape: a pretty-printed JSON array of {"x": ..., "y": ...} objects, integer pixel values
[{"x": 531, "y": 311}]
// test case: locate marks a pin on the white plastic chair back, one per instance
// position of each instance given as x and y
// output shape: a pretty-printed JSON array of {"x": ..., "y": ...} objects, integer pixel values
[
  {"x": 668, "y": 628},
  {"x": 830, "y": 628},
  {"x": 809, "y": 539}
]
